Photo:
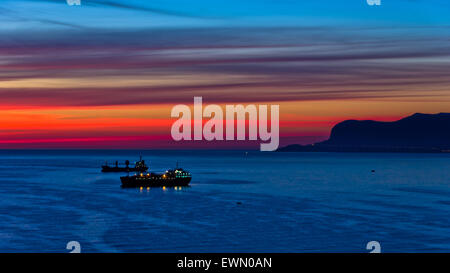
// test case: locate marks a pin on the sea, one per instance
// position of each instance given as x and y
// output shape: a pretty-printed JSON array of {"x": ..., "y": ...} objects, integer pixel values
[{"x": 238, "y": 201}]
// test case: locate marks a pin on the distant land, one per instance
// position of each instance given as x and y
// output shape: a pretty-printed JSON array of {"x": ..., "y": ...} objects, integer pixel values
[{"x": 426, "y": 133}]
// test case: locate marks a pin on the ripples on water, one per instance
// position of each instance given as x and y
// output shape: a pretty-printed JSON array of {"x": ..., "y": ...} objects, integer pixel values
[{"x": 263, "y": 202}]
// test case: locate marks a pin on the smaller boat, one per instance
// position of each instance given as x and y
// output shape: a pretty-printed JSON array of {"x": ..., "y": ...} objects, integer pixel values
[
  {"x": 138, "y": 167},
  {"x": 171, "y": 178}
]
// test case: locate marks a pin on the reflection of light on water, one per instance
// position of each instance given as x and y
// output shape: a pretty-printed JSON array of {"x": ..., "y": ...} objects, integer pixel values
[{"x": 164, "y": 188}]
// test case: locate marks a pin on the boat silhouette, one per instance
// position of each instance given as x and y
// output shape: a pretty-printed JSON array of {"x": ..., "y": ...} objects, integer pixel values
[{"x": 138, "y": 167}]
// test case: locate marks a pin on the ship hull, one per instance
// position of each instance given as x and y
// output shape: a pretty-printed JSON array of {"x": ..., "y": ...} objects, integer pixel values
[{"x": 155, "y": 181}]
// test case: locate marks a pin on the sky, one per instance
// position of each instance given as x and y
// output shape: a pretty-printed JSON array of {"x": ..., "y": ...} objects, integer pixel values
[{"x": 106, "y": 74}]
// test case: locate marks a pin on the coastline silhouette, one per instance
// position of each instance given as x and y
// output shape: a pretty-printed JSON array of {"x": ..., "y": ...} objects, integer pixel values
[{"x": 429, "y": 133}]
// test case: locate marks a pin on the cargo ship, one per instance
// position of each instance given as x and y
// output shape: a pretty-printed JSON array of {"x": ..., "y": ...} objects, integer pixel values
[
  {"x": 138, "y": 167},
  {"x": 171, "y": 178}
]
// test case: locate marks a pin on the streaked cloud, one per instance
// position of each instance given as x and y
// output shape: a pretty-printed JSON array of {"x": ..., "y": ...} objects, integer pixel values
[{"x": 258, "y": 64}]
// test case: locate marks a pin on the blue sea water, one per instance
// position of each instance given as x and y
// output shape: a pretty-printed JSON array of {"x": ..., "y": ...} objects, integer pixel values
[{"x": 237, "y": 202}]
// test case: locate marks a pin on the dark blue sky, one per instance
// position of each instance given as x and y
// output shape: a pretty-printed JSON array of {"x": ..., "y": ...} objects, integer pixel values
[{"x": 182, "y": 13}]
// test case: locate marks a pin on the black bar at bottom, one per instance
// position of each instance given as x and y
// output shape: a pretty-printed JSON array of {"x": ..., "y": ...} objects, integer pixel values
[{"x": 222, "y": 262}]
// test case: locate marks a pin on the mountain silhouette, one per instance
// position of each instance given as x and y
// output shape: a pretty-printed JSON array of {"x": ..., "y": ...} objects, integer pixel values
[{"x": 416, "y": 133}]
